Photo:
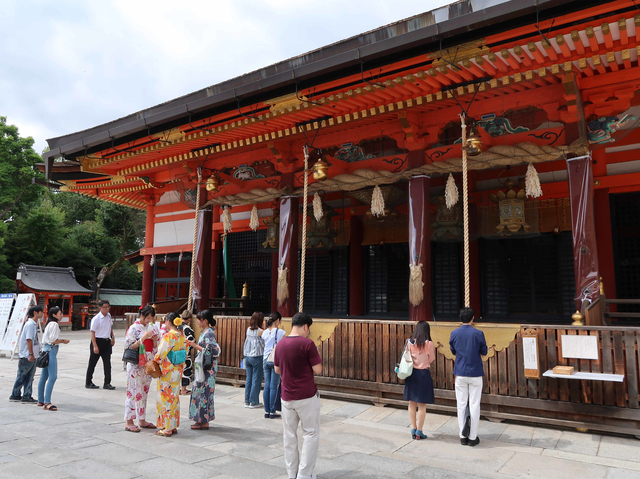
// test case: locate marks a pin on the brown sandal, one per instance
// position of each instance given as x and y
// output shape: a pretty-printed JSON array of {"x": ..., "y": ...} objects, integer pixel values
[
  {"x": 132, "y": 428},
  {"x": 164, "y": 433},
  {"x": 50, "y": 407},
  {"x": 197, "y": 426}
]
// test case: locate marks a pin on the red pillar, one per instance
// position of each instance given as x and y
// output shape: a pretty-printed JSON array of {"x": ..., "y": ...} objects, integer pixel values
[
  {"x": 288, "y": 252},
  {"x": 585, "y": 251},
  {"x": 215, "y": 255},
  {"x": 356, "y": 268},
  {"x": 147, "y": 269},
  {"x": 605, "y": 242},
  {"x": 420, "y": 243}
]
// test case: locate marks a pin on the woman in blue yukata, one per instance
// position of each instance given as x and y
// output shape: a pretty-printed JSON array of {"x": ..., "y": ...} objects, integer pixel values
[{"x": 201, "y": 409}]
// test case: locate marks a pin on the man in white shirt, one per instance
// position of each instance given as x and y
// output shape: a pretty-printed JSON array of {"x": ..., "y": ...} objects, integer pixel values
[
  {"x": 102, "y": 341},
  {"x": 29, "y": 350}
]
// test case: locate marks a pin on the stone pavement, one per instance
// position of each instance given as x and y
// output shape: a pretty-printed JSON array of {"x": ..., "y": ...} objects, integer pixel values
[{"x": 86, "y": 439}]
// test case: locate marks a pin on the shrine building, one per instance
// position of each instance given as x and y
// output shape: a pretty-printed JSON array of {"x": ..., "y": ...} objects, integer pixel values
[{"x": 531, "y": 106}]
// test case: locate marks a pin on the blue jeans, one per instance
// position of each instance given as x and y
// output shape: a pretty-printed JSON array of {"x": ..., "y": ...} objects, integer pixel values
[
  {"x": 49, "y": 373},
  {"x": 26, "y": 371},
  {"x": 271, "y": 381},
  {"x": 253, "y": 365}
]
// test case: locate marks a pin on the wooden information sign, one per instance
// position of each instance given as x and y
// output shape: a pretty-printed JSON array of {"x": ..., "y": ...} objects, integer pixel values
[{"x": 530, "y": 353}]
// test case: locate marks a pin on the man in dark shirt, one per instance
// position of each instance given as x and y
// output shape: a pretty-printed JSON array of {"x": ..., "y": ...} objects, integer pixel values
[
  {"x": 468, "y": 345},
  {"x": 296, "y": 359}
]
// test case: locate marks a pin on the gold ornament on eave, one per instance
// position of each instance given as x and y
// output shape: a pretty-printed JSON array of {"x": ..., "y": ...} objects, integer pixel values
[
  {"x": 212, "y": 183},
  {"x": 320, "y": 170}
]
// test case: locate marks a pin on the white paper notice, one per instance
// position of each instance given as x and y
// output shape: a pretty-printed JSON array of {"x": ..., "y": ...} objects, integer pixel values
[
  {"x": 6, "y": 301},
  {"x": 23, "y": 303},
  {"x": 530, "y": 352},
  {"x": 579, "y": 347}
]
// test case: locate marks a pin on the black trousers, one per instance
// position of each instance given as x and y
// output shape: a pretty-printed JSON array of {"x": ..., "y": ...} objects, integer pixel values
[{"x": 104, "y": 348}]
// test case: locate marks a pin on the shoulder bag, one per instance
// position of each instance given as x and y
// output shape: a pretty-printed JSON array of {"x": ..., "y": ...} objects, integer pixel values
[
  {"x": 153, "y": 369},
  {"x": 272, "y": 353},
  {"x": 404, "y": 368},
  {"x": 131, "y": 356},
  {"x": 43, "y": 359}
]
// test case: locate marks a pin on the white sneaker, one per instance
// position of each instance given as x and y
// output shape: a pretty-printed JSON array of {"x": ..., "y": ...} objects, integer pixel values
[
  {"x": 246, "y": 404},
  {"x": 255, "y": 406}
]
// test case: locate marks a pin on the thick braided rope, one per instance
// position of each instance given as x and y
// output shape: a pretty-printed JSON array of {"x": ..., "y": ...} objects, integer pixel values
[
  {"x": 195, "y": 240},
  {"x": 465, "y": 210},
  {"x": 304, "y": 227}
]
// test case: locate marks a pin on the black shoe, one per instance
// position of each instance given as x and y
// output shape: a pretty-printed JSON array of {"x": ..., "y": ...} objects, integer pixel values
[
  {"x": 266, "y": 415},
  {"x": 91, "y": 386},
  {"x": 28, "y": 400},
  {"x": 474, "y": 442},
  {"x": 15, "y": 398},
  {"x": 108, "y": 386},
  {"x": 275, "y": 416},
  {"x": 464, "y": 441}
]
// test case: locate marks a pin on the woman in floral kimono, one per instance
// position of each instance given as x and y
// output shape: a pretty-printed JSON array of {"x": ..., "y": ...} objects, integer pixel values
[
  {"x": 170, "y": 357},
  {"x": 201, "y": 409},
  {"x": 143, "y": 331}
]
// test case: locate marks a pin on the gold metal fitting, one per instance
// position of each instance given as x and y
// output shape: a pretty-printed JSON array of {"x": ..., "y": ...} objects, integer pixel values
[
  {"x": 212, "y": 183},
  {"x": 245, "y": 290},
  {"x": 320, "y": 170},
  {"x": 474, "y": 145},
  {"x": 577, "y": 319}
]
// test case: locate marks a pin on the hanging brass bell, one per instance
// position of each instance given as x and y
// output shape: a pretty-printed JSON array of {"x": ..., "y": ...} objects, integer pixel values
[
  {"x": 474, "y": 145},
  {"x": 320, "y": 170},
  {"x": 212, "y": 183}
]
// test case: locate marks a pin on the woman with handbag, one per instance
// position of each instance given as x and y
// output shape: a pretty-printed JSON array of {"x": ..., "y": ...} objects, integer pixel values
[
  {"x": 49, "y": 374},
  {"x": 190, "y": 336},
  {"x": 271, "y": 336},
  {"x": 170, "y": 357},
  {"x": 418, "y": 387},
  {"x": 140, "y": 343},
  {"x": 201, "y": 408},
  {"x": 253, "y": 352}
]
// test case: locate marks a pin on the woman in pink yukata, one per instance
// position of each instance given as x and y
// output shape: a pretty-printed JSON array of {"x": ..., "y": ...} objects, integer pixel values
[{"x": 143, "y": 331}]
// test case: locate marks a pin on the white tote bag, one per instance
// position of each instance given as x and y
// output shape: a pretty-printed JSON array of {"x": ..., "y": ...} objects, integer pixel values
[{"x": 404, "y": 368}]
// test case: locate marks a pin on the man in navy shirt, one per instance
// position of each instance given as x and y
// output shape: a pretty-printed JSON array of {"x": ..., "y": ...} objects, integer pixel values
[{"x": 468, "y": 345}]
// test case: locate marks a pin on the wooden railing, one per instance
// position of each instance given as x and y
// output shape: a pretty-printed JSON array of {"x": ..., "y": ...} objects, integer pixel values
[
  {"x": 359, "y": 358},
  {"x": 593, "y": 314}
]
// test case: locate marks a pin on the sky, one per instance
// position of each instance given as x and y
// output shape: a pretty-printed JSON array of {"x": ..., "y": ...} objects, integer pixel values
[{"x": 69, "y": 65}]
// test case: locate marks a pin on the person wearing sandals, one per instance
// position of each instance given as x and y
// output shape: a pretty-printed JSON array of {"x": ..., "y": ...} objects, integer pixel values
[
  {"x": 201, "y": 408},
  {"x": 418, "y": 388},
  {"x": 170, "y": 357},
  {"x": 189, "y": 335},
  {"x": 50, "y": 340},
  {"x": 271, "y": 336},
  {"x": 142, "y": 332},
  {"x": 253, "y": 352}
]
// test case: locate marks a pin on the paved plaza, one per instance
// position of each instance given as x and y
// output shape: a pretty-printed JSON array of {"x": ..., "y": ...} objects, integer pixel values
[{"x": 85, "y": 438}]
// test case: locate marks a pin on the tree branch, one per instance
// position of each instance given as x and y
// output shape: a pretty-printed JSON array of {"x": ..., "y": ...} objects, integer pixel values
[{"x": 8, "y": 208}]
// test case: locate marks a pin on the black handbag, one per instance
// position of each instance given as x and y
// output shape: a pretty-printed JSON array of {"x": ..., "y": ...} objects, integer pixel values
[
  {"x": 43, "y": 359},
  {"x": 130, "y": 356}
]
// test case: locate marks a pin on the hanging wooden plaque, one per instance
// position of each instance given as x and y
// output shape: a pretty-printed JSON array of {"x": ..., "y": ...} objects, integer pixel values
[{"x": 530, "y": 353}]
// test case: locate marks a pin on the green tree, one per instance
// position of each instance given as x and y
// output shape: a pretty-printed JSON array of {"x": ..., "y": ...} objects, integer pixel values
[{"x": 17, "y": 168}]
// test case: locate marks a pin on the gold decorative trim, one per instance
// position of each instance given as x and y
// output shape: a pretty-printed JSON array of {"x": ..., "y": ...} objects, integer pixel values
[{"x": 497, "y": 336}]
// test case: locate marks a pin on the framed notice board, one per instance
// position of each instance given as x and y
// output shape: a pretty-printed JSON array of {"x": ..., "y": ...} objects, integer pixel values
[{"x": 530, "y": 353}]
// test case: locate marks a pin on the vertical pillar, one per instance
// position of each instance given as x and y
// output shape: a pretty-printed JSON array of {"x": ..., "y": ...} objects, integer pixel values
[
  {"x": 288, "y": 252},
  {"x": 604, "y": 237},
  {"x": 147, "y": 269},
  {"x": 215, "y": 254},
  {"x": 420, "y": 243},
  {"x": 356, "y": 268},
  {"x": 585, "y": 251},
  {"x": 202, "y": 250}
]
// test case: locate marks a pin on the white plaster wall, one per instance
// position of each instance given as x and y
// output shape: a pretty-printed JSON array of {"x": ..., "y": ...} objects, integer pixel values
[{"x": 173, "y": 233}]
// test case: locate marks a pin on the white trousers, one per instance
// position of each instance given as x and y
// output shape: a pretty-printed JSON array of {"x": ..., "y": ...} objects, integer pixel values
[
  {"x": 306, "y": 412},
  {"x": 469, "y": 390}
]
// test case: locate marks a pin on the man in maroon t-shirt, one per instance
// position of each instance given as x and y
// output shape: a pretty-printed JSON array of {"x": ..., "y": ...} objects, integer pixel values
[{"x": 296, "y": 359}]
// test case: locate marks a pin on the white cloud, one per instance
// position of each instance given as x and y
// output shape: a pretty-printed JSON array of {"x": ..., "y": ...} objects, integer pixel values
[{"x": 68, "y": 65}]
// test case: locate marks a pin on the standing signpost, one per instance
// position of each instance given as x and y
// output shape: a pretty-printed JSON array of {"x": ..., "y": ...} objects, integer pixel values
[
  {"x": 18, "y": 317},
  {"x": 6, "y": 302}
]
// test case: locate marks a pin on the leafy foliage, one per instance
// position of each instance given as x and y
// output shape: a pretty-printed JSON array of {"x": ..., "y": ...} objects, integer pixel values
[{"x": 60, "y": 229}]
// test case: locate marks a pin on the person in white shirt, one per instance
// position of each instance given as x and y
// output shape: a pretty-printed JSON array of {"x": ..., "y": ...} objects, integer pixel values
[
  {"x": 50, "y": 341},
  {"x": 102, "y": 341},
  {"x": 29, "y": 349}
]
